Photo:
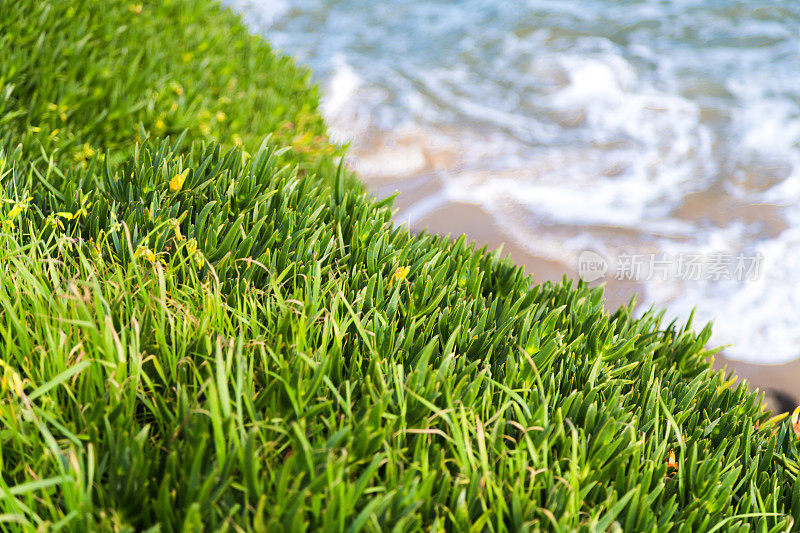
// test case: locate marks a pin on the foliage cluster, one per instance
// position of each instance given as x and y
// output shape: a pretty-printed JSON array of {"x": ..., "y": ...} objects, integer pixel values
[{"x": 199, "y": 335}]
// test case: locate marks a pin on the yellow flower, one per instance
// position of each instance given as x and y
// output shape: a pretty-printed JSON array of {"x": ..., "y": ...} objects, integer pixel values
[
  {"x": 11, "y": 381},
  {"x": 136, "y": 9},
  {"x": 18, "y": 208},
  {"x": 237, "y": 140},
  {"x": 187, "y": 57},
  {"x": 399, "y": 274},
  {"x": 221, "y": 116},
  {"x": 174, "y": 106},
  {"x": 194, "y": 253},
  {"x": 672, "y": 464},
  {"x": 204, "y": 128},
  {"x": 176, "y": 88},
  {"x": 147, "y": 253},
  {"x": 60, "y": 109},
  {"x": 176, "y": 183},
  {"x": 177, "y": 227},
  {"x": 159, "y": 124},
  {"x": 54, "y": 222}
]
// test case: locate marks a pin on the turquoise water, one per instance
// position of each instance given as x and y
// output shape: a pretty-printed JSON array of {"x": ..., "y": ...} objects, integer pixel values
[{"x": 622, "y": 127}]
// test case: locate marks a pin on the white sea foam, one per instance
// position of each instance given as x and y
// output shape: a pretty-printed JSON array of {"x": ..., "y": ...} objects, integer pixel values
[
  {"x": 338, "y": 102},
  {"x": 341, "y": 90},
  {"x": 646, "y": 150},
  {"x": 757, "y": 318}
]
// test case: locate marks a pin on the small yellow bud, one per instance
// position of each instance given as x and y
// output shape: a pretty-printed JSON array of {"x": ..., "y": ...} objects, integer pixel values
[
  {"x": 177, "y": 228},
  {"x": 176, "y": 183},
  {"x": 399, "y": 274},
  {"x": 145, "y": 252}
]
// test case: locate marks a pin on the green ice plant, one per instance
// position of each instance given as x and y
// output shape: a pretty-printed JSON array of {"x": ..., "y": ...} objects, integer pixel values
[
  {"x": 77, "y": 79},
  {"x": 288, "y": 358},
  {"x": 202, "y": 334}
]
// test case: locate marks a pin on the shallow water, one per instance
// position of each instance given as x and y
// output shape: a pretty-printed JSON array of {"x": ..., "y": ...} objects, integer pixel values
[{"x": 665, "y": 133}]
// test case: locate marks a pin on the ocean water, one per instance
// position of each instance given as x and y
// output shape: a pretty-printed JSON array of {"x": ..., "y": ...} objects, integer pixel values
[{"x": 664, "y": 131}]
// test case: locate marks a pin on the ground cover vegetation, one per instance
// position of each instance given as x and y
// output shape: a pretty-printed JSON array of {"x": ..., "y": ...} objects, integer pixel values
[{"x": 206, "y": 323}]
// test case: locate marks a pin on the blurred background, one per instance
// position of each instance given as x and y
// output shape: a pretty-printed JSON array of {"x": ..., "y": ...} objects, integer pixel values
[{"x": 653, "y": 130}]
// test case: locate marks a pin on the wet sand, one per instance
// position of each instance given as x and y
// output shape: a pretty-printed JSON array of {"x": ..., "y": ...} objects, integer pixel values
[{"x": 780, "y": 383}]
